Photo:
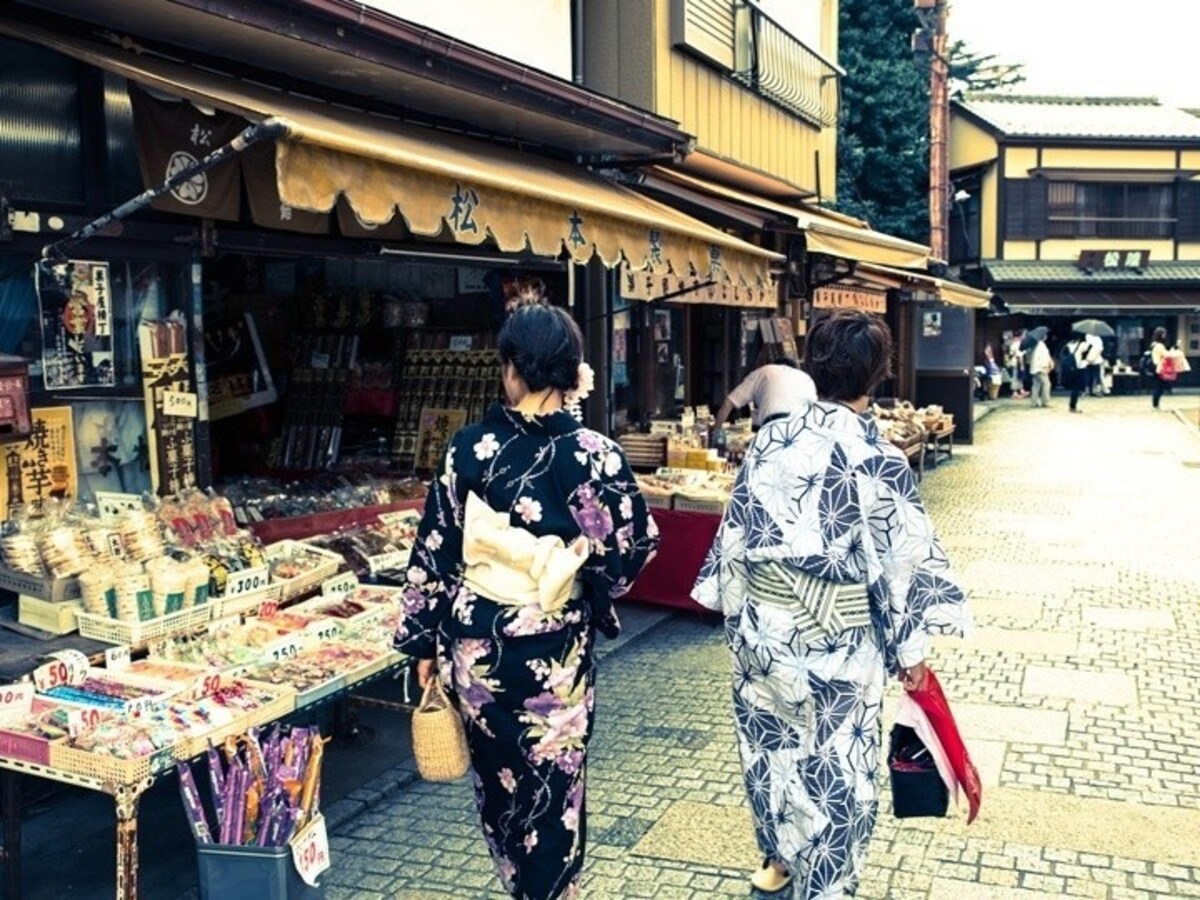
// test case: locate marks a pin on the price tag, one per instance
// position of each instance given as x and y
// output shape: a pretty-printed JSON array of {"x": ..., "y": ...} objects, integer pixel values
[
  {"x": 310, "y": 851},
  {"x": 268, "y": 608},
  {"x": 82, "y": 720},
  {"x": 206, "y": 686},
  {"x": 339, "y": 584},
  {"x": 141, "y": 705},
  {"x": 286, "y": 648},
  {"x": 461, "y": 342},
  {"x": 116, "y": 658},
  {"x": 16, "y": 699},
  {"x": 179, "y": 403},
  {"x": 319, "y": 360},
  {"x": 67, "y": 667},
  {"x": 247, "y": 581},
  {"x": 112, "y": 504},
  {"x": 386, "y": 562},
  {"x": 324, "y": 629}
]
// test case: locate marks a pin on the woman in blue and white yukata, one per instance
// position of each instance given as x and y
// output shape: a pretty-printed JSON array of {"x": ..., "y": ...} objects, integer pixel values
[{"x": 829, "y": 575}]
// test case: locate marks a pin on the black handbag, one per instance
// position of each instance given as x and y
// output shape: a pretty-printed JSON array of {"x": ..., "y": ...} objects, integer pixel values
[{"x": 917, "y": 786}]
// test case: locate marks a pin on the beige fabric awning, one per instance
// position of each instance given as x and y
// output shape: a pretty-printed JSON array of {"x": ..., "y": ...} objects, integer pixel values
[
  {"x": 950, "y": 292},
  {"x": 825, "y": 231},
  {"x": 448, "y": 185}
]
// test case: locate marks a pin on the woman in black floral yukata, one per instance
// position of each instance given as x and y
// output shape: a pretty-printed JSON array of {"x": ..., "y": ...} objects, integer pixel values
[{"x": 532, "y": 529}]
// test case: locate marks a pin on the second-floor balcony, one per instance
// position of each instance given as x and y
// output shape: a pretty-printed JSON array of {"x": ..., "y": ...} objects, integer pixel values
[{"x": 762, "y": 55}]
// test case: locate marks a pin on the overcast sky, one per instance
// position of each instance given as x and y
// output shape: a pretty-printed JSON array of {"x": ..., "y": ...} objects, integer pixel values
[{"x": 1081, "y": 47}]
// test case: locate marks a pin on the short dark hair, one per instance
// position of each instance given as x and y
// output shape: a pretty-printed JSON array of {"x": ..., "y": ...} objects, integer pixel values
[
  {"x": 782, "y": 360},
  {"x": 545, "y": 346},
  {"x": 848, "y": 354},
  {"x": 1160, "y": 334}
]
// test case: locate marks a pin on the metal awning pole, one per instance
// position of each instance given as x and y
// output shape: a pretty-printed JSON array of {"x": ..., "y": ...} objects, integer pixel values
[{"x": 264, "y": 131}]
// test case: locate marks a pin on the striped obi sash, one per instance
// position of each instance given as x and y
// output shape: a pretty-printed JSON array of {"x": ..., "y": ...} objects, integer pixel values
[{"x": 821, "y": 609}]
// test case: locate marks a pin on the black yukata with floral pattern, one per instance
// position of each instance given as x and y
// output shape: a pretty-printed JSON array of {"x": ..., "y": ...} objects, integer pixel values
[{"x": 525, "y": 678}]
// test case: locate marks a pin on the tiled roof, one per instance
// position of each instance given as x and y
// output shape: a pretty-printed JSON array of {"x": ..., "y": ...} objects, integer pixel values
[
  {"x": 1011, "y": 271},
  {"x": 1082, "y": 117}
]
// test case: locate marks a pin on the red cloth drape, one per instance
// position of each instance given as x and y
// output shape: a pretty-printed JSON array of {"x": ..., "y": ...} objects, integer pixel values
[{"x": 668, "y": 580}]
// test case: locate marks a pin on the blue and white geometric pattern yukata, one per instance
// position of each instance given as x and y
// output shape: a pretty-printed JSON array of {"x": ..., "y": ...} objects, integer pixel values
[{"x": 822, "y": 492}]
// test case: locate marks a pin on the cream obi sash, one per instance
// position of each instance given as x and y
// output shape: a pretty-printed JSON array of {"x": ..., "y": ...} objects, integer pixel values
[{"x": 514, "y": 567}]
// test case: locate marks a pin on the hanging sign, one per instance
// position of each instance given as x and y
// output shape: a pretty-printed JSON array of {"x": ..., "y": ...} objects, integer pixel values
[
  {"x": 847, "y": 297},
  {"x": 174, "y": 135},
  {"x": 171, "y": 437},
  {"x": 77, "y": 316}
]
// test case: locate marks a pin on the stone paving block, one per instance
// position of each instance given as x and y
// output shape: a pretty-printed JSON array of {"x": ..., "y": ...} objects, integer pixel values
[
  {"x": 1013, "y": 640},
  {"x": 700, "y": 833},
  {"x": 990, "y": 607},
  {"x": 1010, "y": 724},
  {"x": 1119, "y": 619},
  {"x": 1110, "y": 688}
]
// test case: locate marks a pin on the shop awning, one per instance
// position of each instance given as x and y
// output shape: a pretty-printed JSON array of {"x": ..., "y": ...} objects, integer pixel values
[
  {"x": 951, "y": 292},
  {"x": 825, "y": 231},
  {"x": 447, "y": 185}
]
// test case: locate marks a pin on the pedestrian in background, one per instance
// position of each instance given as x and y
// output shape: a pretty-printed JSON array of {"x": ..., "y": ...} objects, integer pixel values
[
  {"x": 829, "y": 576},
  {"x": 1015, "y": 363},
  {"x": 1095, "y": 370},
  {"x": 1158, "y": 352},
  {"x": 776, "y": 389},
  {"x": 1074, "y": 368},
  {"x": 532, "y": 529},
  {"x": 1041, "y": 364}
]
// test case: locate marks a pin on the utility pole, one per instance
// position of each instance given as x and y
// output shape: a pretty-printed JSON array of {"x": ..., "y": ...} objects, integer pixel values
[{"x": 933, "y": 20}]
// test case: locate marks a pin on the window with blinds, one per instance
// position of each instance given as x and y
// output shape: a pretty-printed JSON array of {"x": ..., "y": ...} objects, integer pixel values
[
  {"x": 1037, "y": 209},
  {"x": 707, "y": 28}
]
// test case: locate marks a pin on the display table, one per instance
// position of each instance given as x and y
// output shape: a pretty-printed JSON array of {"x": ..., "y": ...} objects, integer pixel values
[
  {"x": 297, "y": 528},
  {"x": 939, "y": 444},
  {"x": 685, "y": 539},
  {"x": 126, "y": 796}
]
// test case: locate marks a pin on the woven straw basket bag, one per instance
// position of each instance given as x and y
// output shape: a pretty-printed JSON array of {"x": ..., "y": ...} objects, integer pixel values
[{"x": 439, "y": 741}]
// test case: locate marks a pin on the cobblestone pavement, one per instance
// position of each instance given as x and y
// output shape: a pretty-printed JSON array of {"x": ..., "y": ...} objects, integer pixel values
[{"x": 1079, "y": 698}]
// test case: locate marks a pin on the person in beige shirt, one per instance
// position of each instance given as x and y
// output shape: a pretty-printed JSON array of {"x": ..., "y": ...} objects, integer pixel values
[{"x": 776, "y": 389}]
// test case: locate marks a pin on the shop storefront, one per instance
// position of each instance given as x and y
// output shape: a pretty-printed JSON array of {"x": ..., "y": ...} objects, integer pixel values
[{"x": 301, "y": 324}]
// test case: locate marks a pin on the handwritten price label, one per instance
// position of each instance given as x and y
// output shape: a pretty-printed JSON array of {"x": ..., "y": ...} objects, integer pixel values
[
  {"x": 324, "y": 629},
  {"x": 310, "y": 851},
  {"x": 16, "y": 699},
  {"x": 247, "y": 581},
  {"x": 386, "y": 562},
  {"x": 116, "y": 658},
  {"x": 80, "y": 721},
  {"x": 139, "y": 706},
  {"x": 268, "y": 608},
  {"x": 339, "y": 584},
  {"x": 179, "y": 403},
  {"x": 57, "y": 673},
  {"x": 287, "y": 648},
  {"x": 206, "y": 686}
]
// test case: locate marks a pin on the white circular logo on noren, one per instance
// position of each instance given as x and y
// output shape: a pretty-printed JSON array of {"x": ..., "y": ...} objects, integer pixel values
[{"x": 195, "y": 189}]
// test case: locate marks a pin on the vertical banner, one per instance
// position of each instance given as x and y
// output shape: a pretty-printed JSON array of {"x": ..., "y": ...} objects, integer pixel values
[
  {"x": 42, "y": 467},
  {"x": 170, "y": 405},
  {"x": 77, "y": 325}
]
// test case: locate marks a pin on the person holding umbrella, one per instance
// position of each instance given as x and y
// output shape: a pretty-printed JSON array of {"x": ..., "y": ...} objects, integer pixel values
[{"x": 1093, "y": 331}]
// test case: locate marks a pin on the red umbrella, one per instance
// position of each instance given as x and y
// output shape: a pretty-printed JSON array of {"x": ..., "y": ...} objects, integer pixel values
[{"x": 932, "y": 701}]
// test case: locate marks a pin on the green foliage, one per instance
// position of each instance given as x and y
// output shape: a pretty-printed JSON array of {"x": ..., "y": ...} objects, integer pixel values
[
  {"x": 883, "y": 130},
  {"x": 979, "y": 72}
]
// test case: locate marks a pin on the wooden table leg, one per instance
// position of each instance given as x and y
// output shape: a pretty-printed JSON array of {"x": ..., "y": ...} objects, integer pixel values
[
  {"x": 127, "y": 798},
  {"x": 10, "y": 854}
]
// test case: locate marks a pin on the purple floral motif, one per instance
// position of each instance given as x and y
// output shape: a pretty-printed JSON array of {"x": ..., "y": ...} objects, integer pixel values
[
  {"x": 571, "y": 762},
  {"x": 544, "y": 704},
  {"x": 593, "y": 519},
  {"x": 413, "y": 601}
]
